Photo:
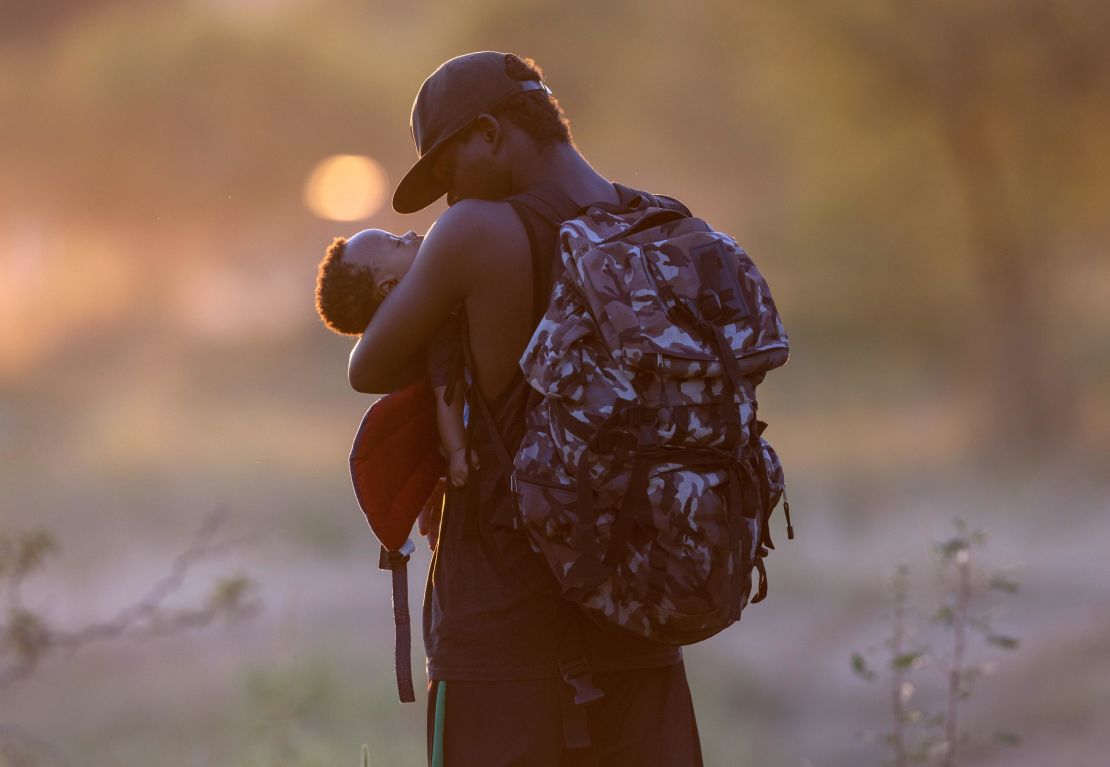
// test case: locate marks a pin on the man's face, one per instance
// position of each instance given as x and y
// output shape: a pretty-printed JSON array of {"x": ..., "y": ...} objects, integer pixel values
[{"x": 474, "y": 163}]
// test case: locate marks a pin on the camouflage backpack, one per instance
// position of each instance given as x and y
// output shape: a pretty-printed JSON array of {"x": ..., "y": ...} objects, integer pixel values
[{"x": 642, "y": 478}]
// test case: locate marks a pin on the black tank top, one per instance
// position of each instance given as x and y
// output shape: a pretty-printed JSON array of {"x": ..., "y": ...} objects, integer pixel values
[{"x": 481, "y": 621}]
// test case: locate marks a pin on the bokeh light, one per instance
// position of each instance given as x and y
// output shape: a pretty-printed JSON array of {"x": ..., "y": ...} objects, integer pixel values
[{"x": 345, "y": 187}]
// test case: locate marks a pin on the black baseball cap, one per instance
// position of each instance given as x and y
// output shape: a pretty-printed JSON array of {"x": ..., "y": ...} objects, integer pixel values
[{"x": 449, "y": 100}]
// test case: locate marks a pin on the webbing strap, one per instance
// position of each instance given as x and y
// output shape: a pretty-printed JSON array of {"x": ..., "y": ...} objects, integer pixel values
[
  {"x": 576, "y": 723},
  {"x": 739, "y": 542},
  {"x": 635, "y": 492},
  {"x": 587, "y": 570},
  {"x": 761, "y": 592},
  {"x": 397, "y": 563},
  {"x": 764, "y": 498},
  {"x": 575, "y": 671},
  {"x": 734, "y": 378}
]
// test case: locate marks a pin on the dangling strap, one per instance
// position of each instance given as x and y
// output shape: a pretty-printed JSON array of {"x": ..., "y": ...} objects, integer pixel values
[
  {"x": 786, "y": 508},
  {"x": 738, "y": 541},
  {"x": 575, "y": 670},
  {"x": 397, "y": 563}
]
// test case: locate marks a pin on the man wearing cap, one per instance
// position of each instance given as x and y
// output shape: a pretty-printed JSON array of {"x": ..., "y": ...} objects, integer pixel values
[{"x": 517, "y": 675}]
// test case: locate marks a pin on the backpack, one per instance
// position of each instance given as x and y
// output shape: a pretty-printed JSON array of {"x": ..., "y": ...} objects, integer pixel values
[{"x": 643, "y": 480}]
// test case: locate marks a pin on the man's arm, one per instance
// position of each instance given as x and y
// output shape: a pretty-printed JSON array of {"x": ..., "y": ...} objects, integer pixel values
[{"x": 390, "y": 352}]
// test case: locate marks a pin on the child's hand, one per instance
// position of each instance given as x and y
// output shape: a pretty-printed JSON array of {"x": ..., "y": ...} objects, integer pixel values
[
  {"x": 457, "y": 470},
  {"x": 428, "y": 522}
]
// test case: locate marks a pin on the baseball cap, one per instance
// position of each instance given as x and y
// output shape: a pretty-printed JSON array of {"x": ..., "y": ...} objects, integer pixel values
[{"x": 449, "y": 100}]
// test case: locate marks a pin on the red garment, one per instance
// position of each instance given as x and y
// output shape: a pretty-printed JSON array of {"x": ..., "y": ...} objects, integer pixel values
[{"x": 395, "y": 461}]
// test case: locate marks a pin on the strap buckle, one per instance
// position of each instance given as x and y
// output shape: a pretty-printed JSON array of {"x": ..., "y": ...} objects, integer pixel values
[
  {"x": 577, "y": 673},
  {"x": 388, "y": 560}
]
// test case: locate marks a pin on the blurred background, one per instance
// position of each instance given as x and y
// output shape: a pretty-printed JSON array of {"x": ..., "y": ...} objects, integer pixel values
[{"x": 925, "y": 187}]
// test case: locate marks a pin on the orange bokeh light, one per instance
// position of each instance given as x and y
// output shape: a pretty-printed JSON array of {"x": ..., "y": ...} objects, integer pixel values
[{"x": 345, "y": 187}]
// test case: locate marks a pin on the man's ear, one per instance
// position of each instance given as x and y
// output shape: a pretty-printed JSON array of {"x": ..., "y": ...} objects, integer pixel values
[
  {"x": 386, "y": 285},
  {"x": 489, "y": 128}
]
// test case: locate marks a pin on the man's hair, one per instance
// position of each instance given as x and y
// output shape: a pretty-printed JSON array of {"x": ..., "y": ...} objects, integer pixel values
[
  {"x": 537, "y": 113},
  {"x": 346, "y": 296}
]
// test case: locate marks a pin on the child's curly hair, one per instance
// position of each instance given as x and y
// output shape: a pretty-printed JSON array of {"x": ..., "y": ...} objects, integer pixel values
[{"x": 346, "y": 296}]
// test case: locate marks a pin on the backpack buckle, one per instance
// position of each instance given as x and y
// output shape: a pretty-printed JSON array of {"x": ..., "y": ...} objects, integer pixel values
[
  {"x": 388, "y": 560},
  {"x": 577, "y": 673}
]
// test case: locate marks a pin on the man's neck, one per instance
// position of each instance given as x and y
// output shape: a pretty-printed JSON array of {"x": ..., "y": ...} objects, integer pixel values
[{"x": 565, "y": 167}]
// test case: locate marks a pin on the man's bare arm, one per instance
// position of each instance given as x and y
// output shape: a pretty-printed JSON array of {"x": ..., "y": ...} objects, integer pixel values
[{"x": 391, "y": 351}]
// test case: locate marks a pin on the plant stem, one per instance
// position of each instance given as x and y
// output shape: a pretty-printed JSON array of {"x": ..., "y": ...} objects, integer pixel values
[
  {"x": 899, "y": 674},
  {"x": 955, "y": 670}
]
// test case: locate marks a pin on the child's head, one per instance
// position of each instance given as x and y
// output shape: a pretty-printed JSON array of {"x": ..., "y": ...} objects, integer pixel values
[{"x": 356, "y": 274}]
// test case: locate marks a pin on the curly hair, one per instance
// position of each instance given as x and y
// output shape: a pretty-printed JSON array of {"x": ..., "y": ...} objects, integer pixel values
[
  {"x": 537, "y": 113},
  {"x": 346, "y": 296}
]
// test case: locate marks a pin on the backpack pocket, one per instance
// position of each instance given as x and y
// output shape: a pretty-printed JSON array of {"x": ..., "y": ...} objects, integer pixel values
[
  {"x": 672, "y": 582},
  {"x": 569, "y": 544}
]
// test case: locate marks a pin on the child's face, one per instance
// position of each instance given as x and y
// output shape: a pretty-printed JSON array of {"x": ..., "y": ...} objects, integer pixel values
[{"x": 388, "y": 256}]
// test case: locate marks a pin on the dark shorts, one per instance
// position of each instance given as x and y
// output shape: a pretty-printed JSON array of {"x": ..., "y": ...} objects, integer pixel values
[{"x": 646, "y": 719}]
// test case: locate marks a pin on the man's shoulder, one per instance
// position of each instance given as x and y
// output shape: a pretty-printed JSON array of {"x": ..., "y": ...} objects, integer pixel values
[
  {"x": 478, "y": 219},
  {"x": 475, "y": 235}
]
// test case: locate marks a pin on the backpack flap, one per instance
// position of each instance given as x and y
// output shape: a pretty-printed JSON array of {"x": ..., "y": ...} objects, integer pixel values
[{"x": 665, "y": 291}]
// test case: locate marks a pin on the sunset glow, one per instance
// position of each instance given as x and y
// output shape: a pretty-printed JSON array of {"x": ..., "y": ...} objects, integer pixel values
[{"x": 345, "y": 187}]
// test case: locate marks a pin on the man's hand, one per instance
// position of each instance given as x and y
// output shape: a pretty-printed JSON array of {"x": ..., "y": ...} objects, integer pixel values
[{"x": 427, "y": 524}]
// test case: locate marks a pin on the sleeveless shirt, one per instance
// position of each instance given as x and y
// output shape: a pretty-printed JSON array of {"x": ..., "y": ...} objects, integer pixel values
[{"x": 480, "y": 621}]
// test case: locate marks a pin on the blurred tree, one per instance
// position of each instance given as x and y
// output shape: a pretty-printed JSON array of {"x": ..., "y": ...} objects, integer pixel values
[
  {"x": 1010, "y": 98},
  {"x": 25, "y": 22}
]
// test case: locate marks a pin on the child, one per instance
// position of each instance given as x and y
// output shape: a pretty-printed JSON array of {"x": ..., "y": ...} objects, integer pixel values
[{"x": 353, "y": 278}]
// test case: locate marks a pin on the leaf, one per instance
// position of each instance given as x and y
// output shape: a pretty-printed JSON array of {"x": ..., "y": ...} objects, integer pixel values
[
  {"x": 1002, "y": 583},
  {"x": 32, "y": 549},
  {"x": 1009, "y": 739},
  {"x": 27, "y": 636},
  {"x": 860, "y": 667},
  {"x": 235, "y": 596},
  {"x": 945, "y": 615},
  {"x": 950, "y": 548},
  {"x": 1005, "y": 642},
  {"x": 905, "y": 660}
]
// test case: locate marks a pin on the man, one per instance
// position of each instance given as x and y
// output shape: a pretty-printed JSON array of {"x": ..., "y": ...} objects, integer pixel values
[{"x": 505, "y": 660}]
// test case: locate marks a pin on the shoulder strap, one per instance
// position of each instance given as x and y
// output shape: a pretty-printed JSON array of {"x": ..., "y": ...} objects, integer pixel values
[
  {"x": 636, "y": 198},
  {"x": 542, "y": 205},
  {"x": 547, "y": 201}
]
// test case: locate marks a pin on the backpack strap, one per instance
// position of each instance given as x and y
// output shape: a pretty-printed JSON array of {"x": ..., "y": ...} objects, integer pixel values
[
  {"x": 575, "y": 671},
  {"x": 397, "y": 563},
  {"x": 631, "y": 199},
  {"x": 552, "y": 206}
]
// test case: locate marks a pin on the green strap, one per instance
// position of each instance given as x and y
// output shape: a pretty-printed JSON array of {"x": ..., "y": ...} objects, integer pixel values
[{"x": 437, "y": 731}]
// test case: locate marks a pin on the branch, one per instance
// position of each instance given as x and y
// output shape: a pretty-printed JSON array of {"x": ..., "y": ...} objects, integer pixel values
[{"x": 31, "y": 639}]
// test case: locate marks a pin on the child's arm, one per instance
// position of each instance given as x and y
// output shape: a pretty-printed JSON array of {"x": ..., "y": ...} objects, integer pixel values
[{"x": 449, "y": 418}]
